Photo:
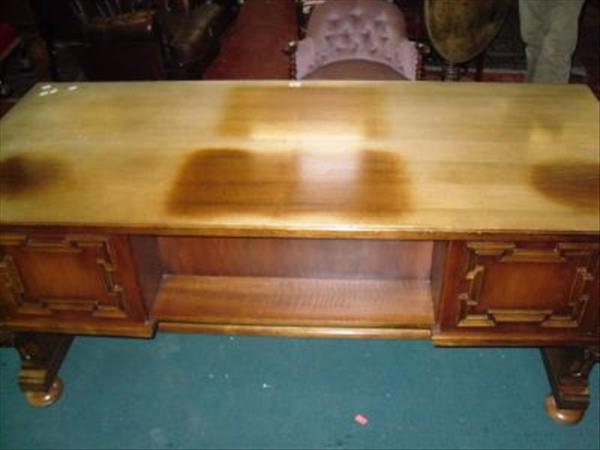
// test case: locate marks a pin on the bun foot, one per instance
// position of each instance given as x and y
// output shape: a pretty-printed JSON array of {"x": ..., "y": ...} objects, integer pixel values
[
  {"x": 43, "y": 399},
  {"x": 562, "y": 416}
]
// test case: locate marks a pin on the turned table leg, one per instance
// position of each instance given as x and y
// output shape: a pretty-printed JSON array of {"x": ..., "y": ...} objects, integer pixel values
[
  {"x": 41, "y": 357},
  {"x": 451, "y": 71},
  {"x": 568, "y": 370}
]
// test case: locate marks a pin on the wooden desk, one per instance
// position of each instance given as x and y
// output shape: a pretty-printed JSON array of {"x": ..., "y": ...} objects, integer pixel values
[{"x": 464, "y": 213}]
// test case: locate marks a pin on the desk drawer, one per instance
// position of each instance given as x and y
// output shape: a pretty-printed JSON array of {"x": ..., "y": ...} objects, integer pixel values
[
  {"x": 521, "y": 287},
  {"x": 68, "y": 283}
]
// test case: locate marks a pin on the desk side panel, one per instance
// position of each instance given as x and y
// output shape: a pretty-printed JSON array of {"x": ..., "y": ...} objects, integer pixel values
[
  {"x": 70, "y": 283},
  {"x": 507, "y": 292}
]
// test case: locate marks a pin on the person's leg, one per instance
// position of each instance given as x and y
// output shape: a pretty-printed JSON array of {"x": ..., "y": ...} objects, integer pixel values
[
  {"x": 532, "y": 14},
  {"x": 553, "y": 64}
]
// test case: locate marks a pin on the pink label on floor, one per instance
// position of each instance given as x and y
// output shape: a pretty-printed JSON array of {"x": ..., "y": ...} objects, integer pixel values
[{"x": 360, "y": 419}]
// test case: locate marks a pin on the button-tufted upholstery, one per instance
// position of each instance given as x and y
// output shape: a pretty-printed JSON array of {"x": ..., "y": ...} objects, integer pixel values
[{"x": 368, "y": 30}]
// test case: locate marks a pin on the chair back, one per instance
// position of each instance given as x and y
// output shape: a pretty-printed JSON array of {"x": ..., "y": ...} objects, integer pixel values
[{"x": 370, "y": 30}]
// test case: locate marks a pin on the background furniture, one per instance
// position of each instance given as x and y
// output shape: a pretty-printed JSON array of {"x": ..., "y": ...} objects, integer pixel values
[
  {"x": 194, "y": 217},
  {"x": 144, "y": 39},
  {"x": 9, "y": 42},
  {"x": 356, "y": 39},
  {"x": 461, "y": 31},
  {"x": 27, "y": 17}
]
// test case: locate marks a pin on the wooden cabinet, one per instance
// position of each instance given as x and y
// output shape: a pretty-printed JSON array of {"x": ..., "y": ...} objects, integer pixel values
[
  {"x": 71, "y": 283},
  {"x": 517, "y": 288}
]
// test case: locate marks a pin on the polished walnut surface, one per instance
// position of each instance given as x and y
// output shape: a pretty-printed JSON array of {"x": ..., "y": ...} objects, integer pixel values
[{"x": 317, "y": 158}]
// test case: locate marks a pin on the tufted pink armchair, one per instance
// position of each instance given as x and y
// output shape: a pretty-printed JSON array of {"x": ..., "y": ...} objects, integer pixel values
[{"x": 356, "y": 39}]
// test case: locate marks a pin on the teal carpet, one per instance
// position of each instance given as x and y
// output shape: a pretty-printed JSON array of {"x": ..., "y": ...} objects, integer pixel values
[{"x": 193, "y": 391}]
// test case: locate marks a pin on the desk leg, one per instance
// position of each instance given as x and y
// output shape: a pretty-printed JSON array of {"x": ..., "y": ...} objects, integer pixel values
[
  {"x": 41, "y": 357},
  {"x": 568, "y": 370}
]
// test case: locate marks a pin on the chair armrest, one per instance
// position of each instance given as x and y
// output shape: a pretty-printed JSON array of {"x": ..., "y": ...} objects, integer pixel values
[{"x": 128, "y": 27}]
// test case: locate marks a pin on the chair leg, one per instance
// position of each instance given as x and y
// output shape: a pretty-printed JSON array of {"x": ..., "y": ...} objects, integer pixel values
[
  {"x": 5, "y": 89},
  {"x": 423, "y": 51},
  {"x": 479, "y": 65},
  {"x": 38, "y": 51}
]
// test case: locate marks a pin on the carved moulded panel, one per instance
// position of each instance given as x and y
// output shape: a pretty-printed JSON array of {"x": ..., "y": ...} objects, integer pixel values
[
  {"x": 50, "y": 276},
  {"x": 477, "y": 310}
]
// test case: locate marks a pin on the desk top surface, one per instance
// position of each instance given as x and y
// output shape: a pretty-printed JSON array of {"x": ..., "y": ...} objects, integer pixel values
[{"x": 340, "y": 158}]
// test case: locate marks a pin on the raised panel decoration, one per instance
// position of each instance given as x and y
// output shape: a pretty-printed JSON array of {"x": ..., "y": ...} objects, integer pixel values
[
  {"x": 60, "y": 276},
  {"x": 548, "y": 285}
]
